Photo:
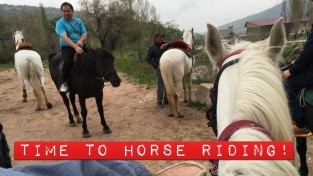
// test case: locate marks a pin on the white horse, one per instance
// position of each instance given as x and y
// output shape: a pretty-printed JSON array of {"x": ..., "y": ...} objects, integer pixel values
[
  {"x": 250, "y": 90},
  {"x": 174, "y": 66},
  {"x": 29, "y": 67}
]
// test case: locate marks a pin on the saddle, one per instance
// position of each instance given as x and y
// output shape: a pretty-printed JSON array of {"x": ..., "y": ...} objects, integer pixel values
[
  {"x": 181, "y": 45},
  {"x": 25, "y": 46}
]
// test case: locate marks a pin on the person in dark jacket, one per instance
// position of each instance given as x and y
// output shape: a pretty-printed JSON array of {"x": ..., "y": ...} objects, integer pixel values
[
  {"x": 5, "y": 159},
  {"x": 300, "y": 75},
  {"x": 154, "y": 54}
]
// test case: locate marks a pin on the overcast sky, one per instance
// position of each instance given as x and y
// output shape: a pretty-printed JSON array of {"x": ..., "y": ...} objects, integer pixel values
[{"x": 185, "y": 13}]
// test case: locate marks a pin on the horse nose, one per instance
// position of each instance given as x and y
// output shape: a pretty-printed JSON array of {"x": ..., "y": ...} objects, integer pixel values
[{"x": 116, "y": 82}]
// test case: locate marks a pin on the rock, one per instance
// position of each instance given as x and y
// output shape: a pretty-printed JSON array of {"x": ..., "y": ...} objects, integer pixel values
[{"x": 203, "y": 93}]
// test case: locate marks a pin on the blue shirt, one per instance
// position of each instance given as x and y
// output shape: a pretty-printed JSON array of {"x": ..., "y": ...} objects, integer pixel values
[{"x": 74, "y": 29}]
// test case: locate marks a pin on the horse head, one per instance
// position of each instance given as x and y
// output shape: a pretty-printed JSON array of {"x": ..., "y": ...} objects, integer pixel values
[
  {"x": 250, "y": 91},
  {"x": 189, "y": 38},
  {"x": 18, "y": 37},
  {"x": 104, "y": 62}
]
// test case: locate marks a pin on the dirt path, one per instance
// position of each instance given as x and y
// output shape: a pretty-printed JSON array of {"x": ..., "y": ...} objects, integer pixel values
[{"x": 130, "y": 111}]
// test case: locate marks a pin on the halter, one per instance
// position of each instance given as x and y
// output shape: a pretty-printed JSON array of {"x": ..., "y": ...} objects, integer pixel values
[
  {"x": 18, "y": 42},
  {"x": 233, "y": 127},
  {"x": 100, "y": 72}
]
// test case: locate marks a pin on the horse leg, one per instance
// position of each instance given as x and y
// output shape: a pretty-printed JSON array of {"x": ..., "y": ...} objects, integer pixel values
[
  {"x": 82, "y": 102},
  {"x": 189, "y": 86},
  {"x": 301, "y": 149},
  {"x": 24, "y": 91},
  {"x": 184, "y": 87},
  {"x": 179, "y": 86},
  {"x": 67, "y": 104},
  {"x": 48, "y": 104},
  {"x": 76, "y": 113},
  {"x": 99, "y": 99},
  {"x": 171, "y": 101}
]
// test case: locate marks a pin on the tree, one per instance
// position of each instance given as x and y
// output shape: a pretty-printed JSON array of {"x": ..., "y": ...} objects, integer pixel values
[
  {"x": 143, "y": 23},
  {"x": 105, "y": 20},
  {"x": 50, "y": 38}
]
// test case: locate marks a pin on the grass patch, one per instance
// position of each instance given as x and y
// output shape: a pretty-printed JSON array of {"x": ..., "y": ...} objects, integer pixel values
[
  {"x": 6, "y": 66},
  {"x": 137, "y": 71},
  {"x": 197, "y": 105}
]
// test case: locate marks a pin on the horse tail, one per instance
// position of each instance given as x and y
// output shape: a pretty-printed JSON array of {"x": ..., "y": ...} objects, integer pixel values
[
  {"x": 34, "y": 79},
  {"x": 51, "y": 55},
  {"x": 168, "y": 80}
]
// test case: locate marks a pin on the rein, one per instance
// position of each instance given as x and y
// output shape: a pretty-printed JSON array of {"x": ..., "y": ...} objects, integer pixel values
[
  {"x": 230, "y": 130},
  {"x": 211, "y": 111},
  {"x": 99, "y": 71}
]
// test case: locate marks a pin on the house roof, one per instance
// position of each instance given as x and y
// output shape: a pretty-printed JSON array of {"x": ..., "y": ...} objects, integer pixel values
[{"x": 270, "y": 21}]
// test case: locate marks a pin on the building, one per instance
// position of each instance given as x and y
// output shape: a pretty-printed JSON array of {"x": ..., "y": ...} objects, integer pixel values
[{"x": 264, "y": 26}]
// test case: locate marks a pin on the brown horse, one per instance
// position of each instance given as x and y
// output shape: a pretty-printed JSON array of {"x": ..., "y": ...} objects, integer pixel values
[{"x": 87, "y": 80}]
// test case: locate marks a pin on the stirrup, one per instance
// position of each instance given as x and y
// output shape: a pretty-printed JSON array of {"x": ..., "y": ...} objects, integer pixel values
[{"x": 64, "y": 88}]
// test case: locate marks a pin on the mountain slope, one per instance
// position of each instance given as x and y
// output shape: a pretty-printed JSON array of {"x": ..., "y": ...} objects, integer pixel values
[{"x": 238, "y": 25}]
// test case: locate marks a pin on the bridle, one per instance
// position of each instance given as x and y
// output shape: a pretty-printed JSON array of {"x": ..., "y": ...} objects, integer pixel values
[
  {"x": 19, "y": 41},
  {"x": 234, "y": 126},
  {"x": 100, "y": 72},
  {"x": 192, "y": 46}
]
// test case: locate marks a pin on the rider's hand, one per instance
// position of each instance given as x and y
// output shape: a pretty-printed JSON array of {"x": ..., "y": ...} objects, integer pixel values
[
  {"x": 79, "y": 43},
  {"x": 79, "y": 50},
  {"x": 286, "y": 74}
]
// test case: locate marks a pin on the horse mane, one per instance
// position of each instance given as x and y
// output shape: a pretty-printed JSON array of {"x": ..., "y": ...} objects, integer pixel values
[
  {"x": 90, "y": 57},
  {"x": 261, "y": 98},
  {"x": 260, "y": 92}
]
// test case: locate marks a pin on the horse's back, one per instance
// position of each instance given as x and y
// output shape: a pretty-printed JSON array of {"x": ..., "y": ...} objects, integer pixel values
[
  {"x": 21, "y": 60},
  {"x": 178, "y": 60}
]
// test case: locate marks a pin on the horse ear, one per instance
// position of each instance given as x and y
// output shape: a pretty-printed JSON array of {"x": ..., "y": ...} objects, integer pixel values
[
  {"x": 12, "y": 30},
  {"x": 191, "y": 30},
  {"x": 214, "y": 46},
  {"x": 277, "y": 39}
]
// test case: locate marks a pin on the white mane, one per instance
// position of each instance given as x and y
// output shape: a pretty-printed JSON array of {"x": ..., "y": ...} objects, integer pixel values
[{"x": 253, "y": 90}]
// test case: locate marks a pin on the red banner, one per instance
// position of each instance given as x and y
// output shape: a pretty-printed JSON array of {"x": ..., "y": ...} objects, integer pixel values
[{"x": 152, "y": 150}]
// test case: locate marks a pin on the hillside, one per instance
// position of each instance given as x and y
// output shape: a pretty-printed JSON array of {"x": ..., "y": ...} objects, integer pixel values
[
  {"x": 6, "y": 10},
  {"x": 238, "y": 25}
]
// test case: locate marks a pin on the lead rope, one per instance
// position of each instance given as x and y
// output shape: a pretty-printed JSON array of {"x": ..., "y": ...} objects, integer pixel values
[
  {"x": 204, "y": 172},
  {"x": 301, "y": 98}
]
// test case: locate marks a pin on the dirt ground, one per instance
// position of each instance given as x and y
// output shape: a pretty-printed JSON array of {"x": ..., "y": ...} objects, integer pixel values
[{"x": 130, "y": 111}]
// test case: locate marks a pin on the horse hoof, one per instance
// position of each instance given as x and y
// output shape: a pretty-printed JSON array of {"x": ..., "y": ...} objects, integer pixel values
[
  {"x": 170, "y": 115},
  {"x": 185, "y": 101},
  {"x": 72, "y": 124},
  {"x": 24, "y": 100},
  {"x": 38, "y": 109},
  {"x": 86, "y": 135},
  {"x": 180, "y": 116},
  {"x": 49, "y": 105},
  {"x": 107, "y": 131}
]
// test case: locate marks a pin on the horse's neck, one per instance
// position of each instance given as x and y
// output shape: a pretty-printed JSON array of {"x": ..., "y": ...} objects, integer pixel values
[
  {"x": 226, "y": 96},
  {"x": 16, "y": 47}
]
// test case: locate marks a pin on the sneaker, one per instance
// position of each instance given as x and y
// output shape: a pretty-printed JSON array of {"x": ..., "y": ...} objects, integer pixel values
[
  {"x": 64, "y": 88},
  {"x": 302, "y": 132},
  {"x": 165, "y": 102},
  {"x": 160, "y": 105}
]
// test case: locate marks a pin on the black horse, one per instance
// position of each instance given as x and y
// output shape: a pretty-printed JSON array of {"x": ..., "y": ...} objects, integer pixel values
[{"x": 87, "y": 80}]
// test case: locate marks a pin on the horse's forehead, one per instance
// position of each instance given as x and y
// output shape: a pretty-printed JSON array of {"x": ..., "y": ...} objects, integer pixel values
[{"x": 18, "y": 34}]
